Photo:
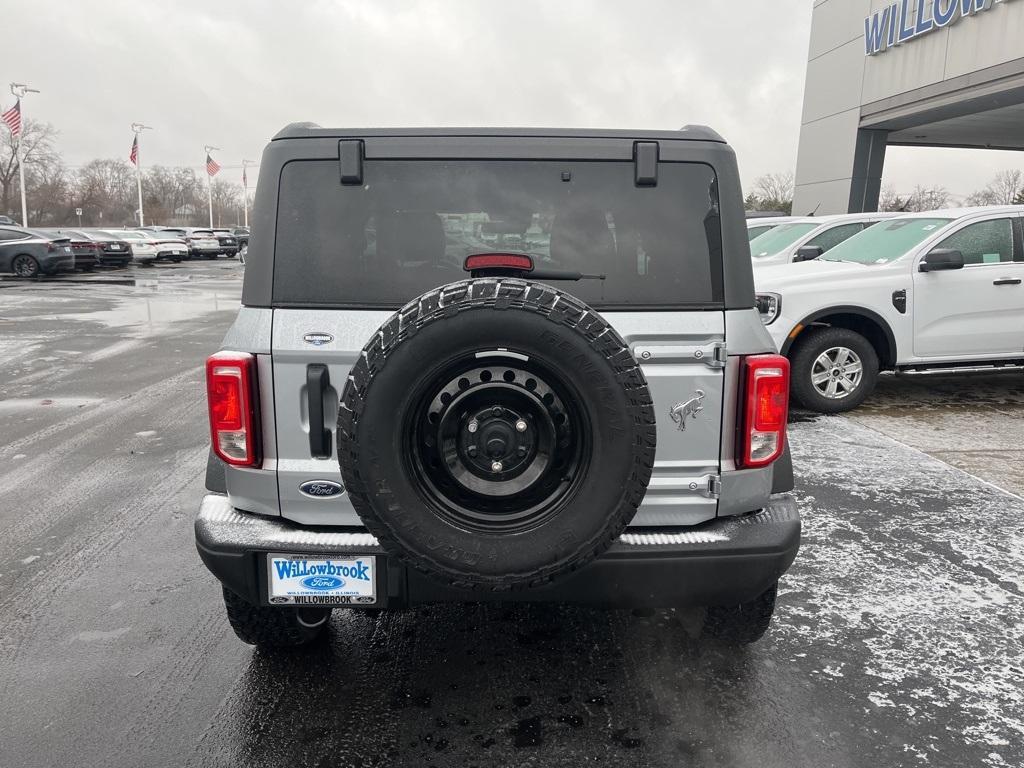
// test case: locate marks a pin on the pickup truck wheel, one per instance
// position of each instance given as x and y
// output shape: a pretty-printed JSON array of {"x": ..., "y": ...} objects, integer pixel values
[
  {"x": 268, "y": 627},
  {"x": 741, "y": 624},
  {"x": 496, "y": 434},
  {"x": 833, "y": 370}
]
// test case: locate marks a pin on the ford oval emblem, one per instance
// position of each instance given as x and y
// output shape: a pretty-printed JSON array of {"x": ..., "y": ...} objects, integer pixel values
[
  {"x": 318, "y": 338},
  {"x": 322, "y": 583},
  {"x": 320, "y": 489}
]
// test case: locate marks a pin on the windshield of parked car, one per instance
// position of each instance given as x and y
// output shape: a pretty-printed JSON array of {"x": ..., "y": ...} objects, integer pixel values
[
  {"x": 127, "y": 235},
  {"x": 779, "y": 238},
  {"x": 886, "y": 241}
]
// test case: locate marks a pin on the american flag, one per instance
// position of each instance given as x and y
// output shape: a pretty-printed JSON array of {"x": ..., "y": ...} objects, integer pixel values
[
  {"x": 134, "y": 156},
  {"x": 245, "y": 179},
  {"x": 13, "y": 118},
  {"x": 211, "y": 166}
]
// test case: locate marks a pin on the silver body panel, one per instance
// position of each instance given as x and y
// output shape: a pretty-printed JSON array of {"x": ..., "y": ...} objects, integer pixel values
[{"x": 684, "y": 355}]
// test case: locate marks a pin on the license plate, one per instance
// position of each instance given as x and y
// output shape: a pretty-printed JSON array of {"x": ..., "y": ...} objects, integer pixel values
[
  {"x": 115, "y": 247},
  {"x": 303, "y": 580}
]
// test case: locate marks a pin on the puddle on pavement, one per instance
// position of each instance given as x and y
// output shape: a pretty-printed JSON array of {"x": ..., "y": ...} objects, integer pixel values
[
  {"x": 153, "y": 311},
  {"x": 28, "y": 403}
]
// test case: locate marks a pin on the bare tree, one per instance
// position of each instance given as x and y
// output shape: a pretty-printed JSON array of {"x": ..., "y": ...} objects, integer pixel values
[
  {"x": 37, "y": 149},
  {"x": 774, "y": 192},
  {"x": 890, "y": 200},
  {"x": 227, "y": 202},
  {"x": 1004, "y": 188},
  {"x": 928, "y": 198},
  {"x": 105, "y": 190}
]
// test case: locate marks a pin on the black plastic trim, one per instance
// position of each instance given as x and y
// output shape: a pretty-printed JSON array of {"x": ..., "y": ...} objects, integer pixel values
[
  {"x": 645, "y": 162},
  {"x": 216, "y": 477},
  {"x": 748, "y": 556},
  {"x": 350, "y": 158},
  {"x": 782, "y": 472},
  {"x": 318, "y": 379},
  {"x": 848, "y": 310}
]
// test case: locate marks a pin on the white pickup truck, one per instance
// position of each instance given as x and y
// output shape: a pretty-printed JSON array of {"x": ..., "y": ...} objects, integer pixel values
[{"x": 935, "y": 290}]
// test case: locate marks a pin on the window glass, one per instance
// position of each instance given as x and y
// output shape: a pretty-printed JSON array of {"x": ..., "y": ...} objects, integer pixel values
[
  {"x": 886, "y": 241},
  {"x": 753, "y": 232},
  {"x": 830, "y": 238},
  {"x": 11, "y": 234},
  {"x": 779, "y": 239},
  {"x": 411, "y": 225},
  {"x": 987, "y": 242}
]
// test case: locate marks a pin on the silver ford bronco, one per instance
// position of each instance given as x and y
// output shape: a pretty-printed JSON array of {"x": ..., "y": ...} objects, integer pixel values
[{"x": 484, "y": 364}]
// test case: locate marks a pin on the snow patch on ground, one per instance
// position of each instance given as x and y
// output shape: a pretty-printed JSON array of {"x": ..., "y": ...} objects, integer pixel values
[{"x": 909, "y": 580}]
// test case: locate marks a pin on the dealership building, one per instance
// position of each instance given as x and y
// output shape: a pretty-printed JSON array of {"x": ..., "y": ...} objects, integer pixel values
[{"x": 936, "y": 73}]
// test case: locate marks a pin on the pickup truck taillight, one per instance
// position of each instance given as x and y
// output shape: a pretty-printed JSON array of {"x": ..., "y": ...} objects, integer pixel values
[
  {"x": 233, "y": 400},
  {"x": 764, "y": 410}
]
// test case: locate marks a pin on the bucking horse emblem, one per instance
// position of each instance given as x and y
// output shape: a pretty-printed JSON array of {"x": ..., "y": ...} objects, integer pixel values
[{"x": 693, "y": 406}]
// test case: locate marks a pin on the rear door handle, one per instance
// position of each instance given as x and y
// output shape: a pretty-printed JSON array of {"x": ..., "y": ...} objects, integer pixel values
[
  {"x": 317, "y": 382},
  {"x": 1007, "y": 281}
]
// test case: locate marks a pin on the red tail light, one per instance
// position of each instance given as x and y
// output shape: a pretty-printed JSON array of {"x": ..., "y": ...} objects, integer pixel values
[
  {"x": 498, "y": 261},
  {"x": 232, "y": 396},
  {"x": 765, "y": 409}
]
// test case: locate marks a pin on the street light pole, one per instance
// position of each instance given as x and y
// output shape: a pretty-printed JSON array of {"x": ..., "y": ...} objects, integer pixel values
[
  {"x": 18, "y": 90},
  {"x": 209, "y": 183},
  {"x": 245, "y": 189},
  {"x": 139, "y": 128}
]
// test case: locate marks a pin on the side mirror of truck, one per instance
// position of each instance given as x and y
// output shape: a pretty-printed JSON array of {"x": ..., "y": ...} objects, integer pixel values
[
  {"x": 940, "y": 259},
  {"x": 808, "y": 253}
]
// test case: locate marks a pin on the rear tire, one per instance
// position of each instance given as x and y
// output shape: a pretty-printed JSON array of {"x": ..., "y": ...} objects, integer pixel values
[
  {"x": 824, "y": 354},
  {"x": 266, "y": 627},
  {"x": 24, "y": 265},
  {"x": 741, "y": 624}
]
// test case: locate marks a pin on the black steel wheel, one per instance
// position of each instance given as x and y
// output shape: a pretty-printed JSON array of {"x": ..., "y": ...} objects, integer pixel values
[{"x": 496, "y": 441}]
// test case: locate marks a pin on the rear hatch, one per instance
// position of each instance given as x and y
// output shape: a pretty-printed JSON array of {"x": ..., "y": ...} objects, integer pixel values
[{"x": 348, "y": 255}]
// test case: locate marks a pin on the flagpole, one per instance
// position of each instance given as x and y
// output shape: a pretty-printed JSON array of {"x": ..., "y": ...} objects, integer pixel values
[
  {"x": 18, "y": 90},
  {"x": 209, "y": 184},
  {"x": 139, "y": 128}
]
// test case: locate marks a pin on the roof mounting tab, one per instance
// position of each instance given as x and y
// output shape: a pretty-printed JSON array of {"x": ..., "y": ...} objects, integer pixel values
[
  {"x": 645, "y": 163},
  {"x": 350, "y": 156}
]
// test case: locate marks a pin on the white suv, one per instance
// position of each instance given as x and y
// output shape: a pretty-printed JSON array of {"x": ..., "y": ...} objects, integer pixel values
[
  {"x": 943, "y": 289},
  {"x": 808, "y": 237}
]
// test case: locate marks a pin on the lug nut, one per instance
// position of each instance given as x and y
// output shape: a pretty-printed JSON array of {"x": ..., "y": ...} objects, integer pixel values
[
  {"x": 496, "y": 466},
  {"x": 473, "y": 426},
  {"x": 520, "y": 426}
]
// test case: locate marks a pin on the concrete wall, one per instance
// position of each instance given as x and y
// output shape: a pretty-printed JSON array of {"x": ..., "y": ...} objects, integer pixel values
[{"x": 842, "y": 82}]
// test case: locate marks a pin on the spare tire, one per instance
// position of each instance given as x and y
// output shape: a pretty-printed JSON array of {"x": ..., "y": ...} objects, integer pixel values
[{"x": 496, "y": 434}]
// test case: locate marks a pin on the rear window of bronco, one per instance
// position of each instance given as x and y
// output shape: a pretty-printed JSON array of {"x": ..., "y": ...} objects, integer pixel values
[{"x": 411, "y": 224}]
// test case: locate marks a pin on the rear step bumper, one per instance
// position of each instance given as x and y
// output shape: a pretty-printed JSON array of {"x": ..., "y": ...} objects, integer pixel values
[{"x": 723, "y": 562}]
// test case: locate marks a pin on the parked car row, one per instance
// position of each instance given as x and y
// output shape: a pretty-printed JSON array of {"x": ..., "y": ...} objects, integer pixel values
[
  {"x": 45, "y": 251},
  {"x": 205, "y": 243},
  {"x": 933, "y": 291}
]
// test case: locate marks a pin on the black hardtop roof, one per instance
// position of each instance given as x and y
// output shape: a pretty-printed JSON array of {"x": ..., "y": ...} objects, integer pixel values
[{"x": 314, "y": 131}]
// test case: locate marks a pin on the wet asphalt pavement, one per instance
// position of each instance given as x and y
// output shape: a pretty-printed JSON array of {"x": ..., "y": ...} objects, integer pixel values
[{"x": 898, "y": 636}]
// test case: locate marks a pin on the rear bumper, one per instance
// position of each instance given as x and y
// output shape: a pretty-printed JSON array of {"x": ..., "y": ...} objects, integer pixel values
[
  {"x": 115, "y": 259},
  {"x": 724, "y": 562},
  {"x": 63, "y": 262}
]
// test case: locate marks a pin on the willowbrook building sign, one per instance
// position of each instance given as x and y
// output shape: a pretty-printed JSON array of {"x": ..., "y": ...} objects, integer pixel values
[{"x": 897, "y": 23}]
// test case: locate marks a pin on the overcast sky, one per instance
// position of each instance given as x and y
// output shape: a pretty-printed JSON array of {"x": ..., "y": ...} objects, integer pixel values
[{"x": 231, "y": 73}]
